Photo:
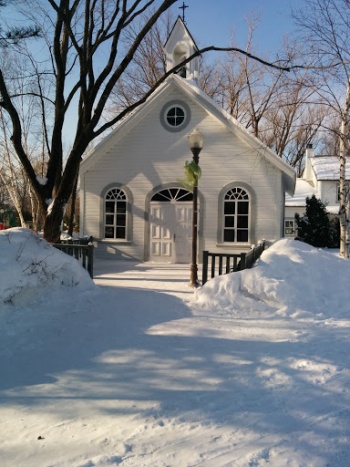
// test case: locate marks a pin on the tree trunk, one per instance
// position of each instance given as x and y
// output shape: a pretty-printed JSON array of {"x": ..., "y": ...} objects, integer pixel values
[
  {"x": 343, "y": 149},
  {"x": 72, "y": 209},
  {"x": 35, "y": 209},
  {"x": 53, "y": 222},
  {"x": 55, "y": 212}
]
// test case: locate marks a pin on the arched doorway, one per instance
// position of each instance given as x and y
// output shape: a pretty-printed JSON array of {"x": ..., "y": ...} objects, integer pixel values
[{"x": 171, "y": 225}]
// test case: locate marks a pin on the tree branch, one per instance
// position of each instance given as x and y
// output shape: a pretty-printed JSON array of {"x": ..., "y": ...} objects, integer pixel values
[
  {"x": 16, "y": 137},
  {"x": 198, "y": 53}
]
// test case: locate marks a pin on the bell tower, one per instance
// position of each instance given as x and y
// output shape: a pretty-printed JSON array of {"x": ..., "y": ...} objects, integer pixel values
[{"x": 179, "y": 46}]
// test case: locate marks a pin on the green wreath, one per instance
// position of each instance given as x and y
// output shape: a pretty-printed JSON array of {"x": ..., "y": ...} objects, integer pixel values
[{"x": 192, "y": 172}]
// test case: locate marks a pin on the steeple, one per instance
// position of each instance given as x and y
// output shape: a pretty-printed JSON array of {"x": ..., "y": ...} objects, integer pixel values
[{"x": 179, "y": 46}]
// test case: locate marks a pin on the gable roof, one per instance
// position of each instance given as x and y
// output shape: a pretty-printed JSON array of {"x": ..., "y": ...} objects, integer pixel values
[
  {"x": 192, "y": 91},
  {"x": 328, "y": 167},
  {"x": 235, "y": 127}
]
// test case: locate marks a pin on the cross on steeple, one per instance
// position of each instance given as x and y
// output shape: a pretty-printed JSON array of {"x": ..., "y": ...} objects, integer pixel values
[{"x": 183, "y": 8}]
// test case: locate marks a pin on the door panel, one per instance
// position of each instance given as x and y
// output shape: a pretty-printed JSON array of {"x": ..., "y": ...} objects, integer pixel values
[
  {"x": 183, "y": 232},
  {"x": 171, "y": 231},
  {"x": 161, "y": 232}
]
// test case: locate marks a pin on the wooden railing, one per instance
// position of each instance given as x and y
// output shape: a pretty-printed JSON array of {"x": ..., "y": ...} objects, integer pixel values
[
  {"x": 82, "y": 250},
  {"x": 253, "y": 255},
  {"x": 223, "y": 263}
]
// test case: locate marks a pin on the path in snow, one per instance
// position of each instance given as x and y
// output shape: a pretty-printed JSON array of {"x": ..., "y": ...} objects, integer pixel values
[{"x": 136, "y": 375}]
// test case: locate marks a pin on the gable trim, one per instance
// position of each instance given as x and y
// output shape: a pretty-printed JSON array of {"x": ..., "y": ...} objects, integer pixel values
[{"x": 198, "y": 97}]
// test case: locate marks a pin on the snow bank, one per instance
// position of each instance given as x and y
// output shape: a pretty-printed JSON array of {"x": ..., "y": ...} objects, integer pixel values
[
  {"x": 291, "y": 277},
  {"x": 31, "y": 267},
  {"x": 127, "y": 374}
]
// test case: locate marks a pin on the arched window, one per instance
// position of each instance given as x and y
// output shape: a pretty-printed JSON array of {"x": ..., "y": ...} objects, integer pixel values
[
  {"x": 236, "y": 216},
  {"x": 173, "y": 194},
  {"x": 115, "y": 222}
]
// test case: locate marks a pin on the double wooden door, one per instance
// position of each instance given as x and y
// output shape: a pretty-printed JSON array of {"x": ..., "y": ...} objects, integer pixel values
[{"x": 171, "y": 231}]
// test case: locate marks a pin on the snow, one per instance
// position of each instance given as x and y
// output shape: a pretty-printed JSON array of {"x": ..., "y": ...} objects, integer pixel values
[
  {"x": 138, "y": 370},
  {"x": 42, "y": 180},
  {"x": 328, "y": 167},
  {"x": 32, "y": 266},
  {"x": 303, "y": 189}
]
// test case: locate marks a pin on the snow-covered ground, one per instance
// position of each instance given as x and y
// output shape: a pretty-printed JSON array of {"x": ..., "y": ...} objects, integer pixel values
[{"x": 251, "y": 370}]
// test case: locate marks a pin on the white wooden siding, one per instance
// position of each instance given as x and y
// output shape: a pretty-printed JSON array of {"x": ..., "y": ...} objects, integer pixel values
[{"x": 149, "y": 156}]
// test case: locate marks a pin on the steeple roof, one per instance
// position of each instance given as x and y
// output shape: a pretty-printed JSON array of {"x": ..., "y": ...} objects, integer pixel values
[
  {"x": 179, "y": 46},
  {"x": 179, "y": 30}
]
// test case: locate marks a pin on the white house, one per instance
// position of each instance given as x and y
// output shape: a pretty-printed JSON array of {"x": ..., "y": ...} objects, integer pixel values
[
  {"x": 132, "y": 199},
  {"x": 320, "y": 178}
]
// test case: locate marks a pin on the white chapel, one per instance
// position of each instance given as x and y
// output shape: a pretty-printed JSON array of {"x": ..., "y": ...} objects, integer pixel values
[{"x": 132, "y": 199}]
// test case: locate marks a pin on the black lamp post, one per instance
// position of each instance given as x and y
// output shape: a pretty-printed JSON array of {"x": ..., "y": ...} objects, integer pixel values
[{"x": 195, "y": 141}]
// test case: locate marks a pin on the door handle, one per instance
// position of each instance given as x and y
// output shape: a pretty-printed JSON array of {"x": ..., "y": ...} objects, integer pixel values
[{"x": 174, "y": 237}]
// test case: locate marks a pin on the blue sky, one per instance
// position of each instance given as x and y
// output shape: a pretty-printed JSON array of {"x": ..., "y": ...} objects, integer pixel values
[{"x": 212, "y": 22}]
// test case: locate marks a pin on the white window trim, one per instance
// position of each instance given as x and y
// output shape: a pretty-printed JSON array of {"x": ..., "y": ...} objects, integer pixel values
[{"x": 164, "y": 113}]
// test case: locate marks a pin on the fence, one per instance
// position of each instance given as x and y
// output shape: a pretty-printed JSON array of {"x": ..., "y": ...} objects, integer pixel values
[
  {"x": 82, "y": 250},
  {"x": 229, "y": 262}
]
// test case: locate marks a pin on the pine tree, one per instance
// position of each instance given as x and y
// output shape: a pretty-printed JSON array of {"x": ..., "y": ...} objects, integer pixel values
[
  {"x": 334, "y": 241},
  {"x": 315, "y": 227}
]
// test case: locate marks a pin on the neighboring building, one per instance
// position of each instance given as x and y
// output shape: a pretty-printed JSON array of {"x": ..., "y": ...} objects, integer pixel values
[
  {"x": 320, "y": 178},
  {"x": 132, "y": 199}
]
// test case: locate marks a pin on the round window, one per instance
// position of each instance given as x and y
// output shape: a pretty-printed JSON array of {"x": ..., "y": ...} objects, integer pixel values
[{"x": 175, "y": 116}]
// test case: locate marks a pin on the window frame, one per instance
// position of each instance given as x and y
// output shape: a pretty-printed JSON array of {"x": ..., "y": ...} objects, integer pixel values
[
  {"x": 168, "y": 108},
  {"x": 172, "y": 194},
  {"x": 179, "y": 115},
  {"x": 285, "y": 227},
  {"x": 118, "y": 214},
  {"x": 251, "y": 216},
  {"x": 128, "y": 200},
  {"x": 236, "y": 216}
]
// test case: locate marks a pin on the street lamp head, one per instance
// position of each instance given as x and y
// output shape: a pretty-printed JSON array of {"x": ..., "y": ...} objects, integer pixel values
[{"x": 196, "y": 140}]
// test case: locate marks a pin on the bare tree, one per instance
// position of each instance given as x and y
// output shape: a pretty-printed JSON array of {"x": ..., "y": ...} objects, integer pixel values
[
  {"x": 326, "y": 25},
  {"x": 29, "y": 114},
  {"x": 232, "y": 88},
  {"x": 149, "y": 65},
  {"x": 88, "y": 52},
  {"x": 262, "y": 85},
  {"x": 8, "y": 173},
  {"x": 329, "y": 136},
  {"x": 12, "y": 35},
  {"x": 87, "y": 56},
  {"x": 294, "y": 118},
  {"x": 274, "y": 106},
  {"x": 247, "y": 87}
]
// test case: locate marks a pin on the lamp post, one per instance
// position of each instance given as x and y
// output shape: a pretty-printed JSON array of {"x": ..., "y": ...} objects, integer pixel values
[{"x": 196, "y": 142}]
